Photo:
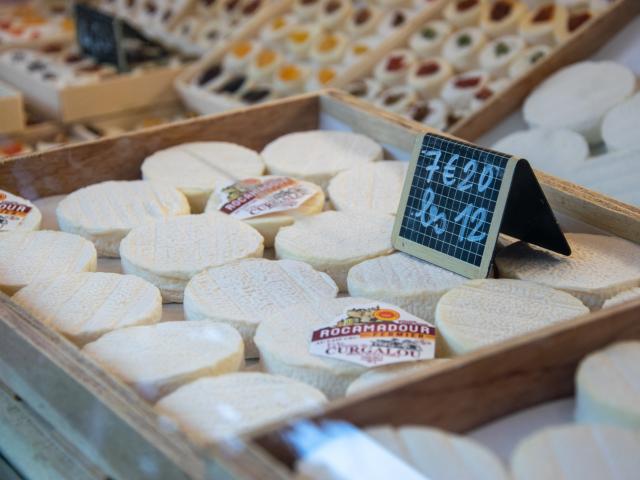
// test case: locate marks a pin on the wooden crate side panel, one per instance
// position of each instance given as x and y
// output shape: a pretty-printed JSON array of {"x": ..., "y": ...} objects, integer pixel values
[{"x": 66, "y": 169}]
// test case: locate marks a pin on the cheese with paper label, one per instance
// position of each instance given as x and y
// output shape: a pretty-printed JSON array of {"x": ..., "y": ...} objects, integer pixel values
[
  {"x": 317, "y": 156},
  {"x": 169, "y": 252},
  {"x": 211, "y": 409},
  {"x": 243, "y": 293},
  {"x": 484, "y": 312},
  {"x": 440, "y": 455},
  {"x": 375, "y": 186},
  {"x": 608, "y": 386},
  {"x": 268, "y": 212},
  {"x": 403, "y": 280},
  {"x": 84, "y": 306},
  {"x": 333, "y": 242},
  {"x": 105, "y": 212},
  {"x": 197, "y": 168},
  {"x": 17, "y": 213},
  {"x": 157, "y": 359},
  {"x": 27, "y": 257},
  {"x": 284, "y": 338},
  {"x": 598, "y": 268},
  {"x": 381, "y": 375},
  {"x": 578, "y": 452}
]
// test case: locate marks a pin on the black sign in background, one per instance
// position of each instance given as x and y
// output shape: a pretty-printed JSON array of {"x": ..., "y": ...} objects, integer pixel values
[
  {"x": 452, "y": 198},
  {"x": 99, "y": 35}
]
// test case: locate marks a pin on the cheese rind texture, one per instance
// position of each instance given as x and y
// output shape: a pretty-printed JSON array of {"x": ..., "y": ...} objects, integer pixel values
[
  {"x": 210, "y": 409},
  {"x": 197, "y": 168},
  {"x": 27, "y": 257},
  {"x": 608, "y": 386},
  {"x": 484, "y": 312},
  {"x": 283, "y": 341},
  {"x": 85, "y": 306},
  {"x": 268, "y": 225},
  {"x": 333, "y": 242},
  {"x": 598, "y": 268},
  {"x": 578, "y": 452},
  {"x": 157, "y": 359},
  {"x": 169, "y": 252},
  {"x": 620, "y": 125},
  {"x": 106, "y": 212},
  {"x": 405, "y": 281},
  {"x": 622, "y": 297},
  {"x": 242, "y": 293},
  {"x": 317, "y": 156},
  {"x": 440, "y": 455},
  {"x": 372, "y": 186},
  {"x": 380, "y": 375}
]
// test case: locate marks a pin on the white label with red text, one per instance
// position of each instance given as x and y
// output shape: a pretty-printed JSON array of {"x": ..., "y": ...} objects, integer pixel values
[
  {"x": 374, "y": 334},
  {"x": 253, "y": 197},
  {"x": 13, "y": 211}
]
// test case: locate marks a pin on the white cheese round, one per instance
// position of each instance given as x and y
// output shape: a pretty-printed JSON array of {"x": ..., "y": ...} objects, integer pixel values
[
  {"x": 578, "y": 97},
  {"x": 283, "y": 341},
  {"x": 317, "y": 156},
  {"x": 27, "y": 257},
  {"x": 268, "y": 225},
  {"x": 157, "y": 359},
  {"x": 440, "y": 455},
  {"x": 105, "y": 212},
  {"x": 375, "y": 377},
  {"x": 10, "y": 206},
  {"x": 620, "y": 125},
  {"x": 210, "y": 409},
  {"x": 578, "y": 452},
  {"x": 171, "y": 251},
  {"x": 484, "y": 312},
  {"x": 405, "y": 281},
  {"x": 608, "y": 386},
  {"x": 622, "y": 297},
  {"x": 242, "y": 293},
  {"x": 333, "y": 242},
  {"x": 196, "y": 168},
  {"x": 598, "y": 268},
  {"x": 374, "y": 186},
  {"x": 85, "y": 306}
]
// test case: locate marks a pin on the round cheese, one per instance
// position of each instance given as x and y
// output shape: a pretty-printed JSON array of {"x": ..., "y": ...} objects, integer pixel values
[
  {"x": 619, "y": 127},
  {"x": 577, "y": 97},
  {"x": 283, "y": 341},
  {"x": 381, "y": 375},
  {"x": 210, "y": 409},
  {"x": 405, "y": 281},
  {"x": 12, "y": 216},
  {"x": 484, "y": 312},
  {"x": 27, "y": 257},
  {"x": 440, "y": 455},
  {"x": 105, "y": 212},
  {"x": 373, "y": 186},
  {"x": 608, "y": 386},
  {"x": 622, "y": 297},
  {"x": 317, "y": 156},
  {"x": 171, "y": 251},
  {"x": 578, "y": 452},
  {"x": 268, "y": 225},
  {"x": 84, "y": 306},
  {"x": 196, "y": 168},
  {"x": 157, "y": 359},
  {"x": 242, "y": 293},
  {"x": 333, "y": 242},
  {"x": 598, "y": 268},
  {"x": 554, "y": 151}
]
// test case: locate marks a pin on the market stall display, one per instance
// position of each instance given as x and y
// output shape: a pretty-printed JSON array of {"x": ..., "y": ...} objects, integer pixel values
[{"x": 34, "y": 23}]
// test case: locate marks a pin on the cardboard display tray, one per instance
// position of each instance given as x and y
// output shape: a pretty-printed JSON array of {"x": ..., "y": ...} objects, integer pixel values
[{"x": 112, "y": 426}]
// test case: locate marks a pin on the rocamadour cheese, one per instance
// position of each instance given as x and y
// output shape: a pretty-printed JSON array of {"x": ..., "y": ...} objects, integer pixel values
[
  {"x": 18, "y": 214},
  {"x": 380, "y": 375}
]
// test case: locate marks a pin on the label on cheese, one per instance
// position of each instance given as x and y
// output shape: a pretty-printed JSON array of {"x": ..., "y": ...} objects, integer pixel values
[
  {"x": 253, "y": 197},
  {"x": 374, "y": 334},
  {"x": 13, "y": 211}
]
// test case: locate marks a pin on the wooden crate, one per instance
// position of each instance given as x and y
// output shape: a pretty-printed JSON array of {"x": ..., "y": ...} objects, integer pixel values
[
  {"x": 114, "y": 428},
  {"x": 12, "y": 115}
]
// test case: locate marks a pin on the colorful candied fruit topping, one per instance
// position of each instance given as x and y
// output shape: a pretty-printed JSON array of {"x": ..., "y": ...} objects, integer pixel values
[
  {"x": 299, "y": 36},
  {"x": 428, "y": 33},
  {"x": 362, "y": 16},
  {"x": 467, "y": 82},
  {"x": 484, "y": 93},
  {"x": 265, "y": 57},
  {"x": 395, "y": 63},
  {"x": 575, "y": 21},
  {"x": 332, "y": 6},
  {"x": 11, "y": 148},
  {"x": 420, "y": 112},
  {"x": 279, "y": 23},
  {"x": 326, "y": 75},
  {"x": 241, "y": 49},
  {"x": 393, "y": 98},
  {"x": 428, "y": 68},
  {"x": 500, "y": 10},
  {"x": 328, "y": 43},
  {"x": 544, "y": 13},
  {"x": 290, "y": 73},
  {"x": 360, "y": 49},
  {"x": 466, "y": 5}
]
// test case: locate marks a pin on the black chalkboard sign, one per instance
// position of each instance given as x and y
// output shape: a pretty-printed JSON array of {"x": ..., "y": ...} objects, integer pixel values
[{"x": 457, "y": 197}]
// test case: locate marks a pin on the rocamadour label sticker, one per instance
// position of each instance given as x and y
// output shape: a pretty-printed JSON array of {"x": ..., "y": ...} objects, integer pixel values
[
  {"x": 13, "y": 211},
  {"x": 375, "y": 334},
  {"x": 253, "y": 197}
]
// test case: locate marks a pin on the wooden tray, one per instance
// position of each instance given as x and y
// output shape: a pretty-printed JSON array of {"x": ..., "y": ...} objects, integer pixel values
[
  {"x": 114, "y": 428},
  {"x": 12, "y": 115}
]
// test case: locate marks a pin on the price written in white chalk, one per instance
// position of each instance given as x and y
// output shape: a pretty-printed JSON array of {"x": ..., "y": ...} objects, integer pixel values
[{"x": 471, "y": 218}]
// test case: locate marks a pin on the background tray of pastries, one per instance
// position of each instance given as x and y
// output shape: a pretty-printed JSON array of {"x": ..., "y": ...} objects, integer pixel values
[
  {"x": 12, "y": 118},
  {"x": 35, "y": 23}
]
